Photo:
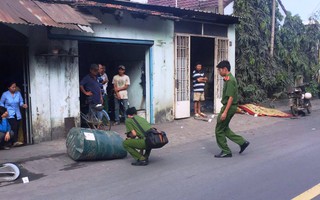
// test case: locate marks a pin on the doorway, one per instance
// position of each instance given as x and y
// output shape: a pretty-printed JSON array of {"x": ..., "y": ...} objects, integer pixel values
[
  {"x": 14, "y": 68},
  {"x": 111, "y": 55},
  {"x": 190, "y": 50},
  {"x": 202, "y": 51}
]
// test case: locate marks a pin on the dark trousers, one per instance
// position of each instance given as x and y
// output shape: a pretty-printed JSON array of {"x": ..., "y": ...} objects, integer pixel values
[
  {"x": 14, "y": 123},
  {"x": 105, "y": 103},
  {"x": 117, "y": 103},
  {"x": 4, "y": 143}
]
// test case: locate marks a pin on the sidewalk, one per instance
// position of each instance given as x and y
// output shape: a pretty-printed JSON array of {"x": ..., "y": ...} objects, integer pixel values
[{"x": 52, "y": 154}]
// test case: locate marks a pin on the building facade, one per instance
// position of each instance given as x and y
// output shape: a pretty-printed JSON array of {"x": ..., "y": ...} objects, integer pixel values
[{"x": 158, "y": 45}]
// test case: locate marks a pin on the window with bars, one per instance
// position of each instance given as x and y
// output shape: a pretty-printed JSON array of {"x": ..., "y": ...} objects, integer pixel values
[
  {"x": 222, "y": 54},
  {"x": 182, "y": 68}
]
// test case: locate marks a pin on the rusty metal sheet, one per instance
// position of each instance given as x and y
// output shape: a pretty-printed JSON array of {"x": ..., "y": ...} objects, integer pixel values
[
  {"x": 197, "y": 5},
  {"x": 88, "y": 16},
  {"x": 29, "y": 12},
  {"x": 15, "y": 12},
  {"x": 72, "y": 26},
  {"x": 126, "y": 8},
  {"x": 35, "y": 10},
  {"x": 62, "y": 13}
]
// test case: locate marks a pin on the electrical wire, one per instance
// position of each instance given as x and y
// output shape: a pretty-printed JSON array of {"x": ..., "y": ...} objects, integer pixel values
[{"x": 316, "y": 11}]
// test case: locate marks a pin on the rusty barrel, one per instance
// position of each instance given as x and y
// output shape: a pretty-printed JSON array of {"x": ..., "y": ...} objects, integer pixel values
[{"x": 91, "y": 144}]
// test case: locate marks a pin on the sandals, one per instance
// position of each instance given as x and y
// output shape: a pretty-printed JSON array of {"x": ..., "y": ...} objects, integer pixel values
[
  {"x": 200, "y": 115},
  {"x": 203, "y": 115}
]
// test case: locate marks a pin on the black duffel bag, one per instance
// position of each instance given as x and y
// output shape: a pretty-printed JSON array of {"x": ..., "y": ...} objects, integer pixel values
[{"x": 154, "y": 139}]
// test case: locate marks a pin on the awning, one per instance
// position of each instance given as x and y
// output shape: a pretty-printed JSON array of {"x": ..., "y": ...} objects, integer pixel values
[
  {"x": 132, "y": 9},
  {"x": 32, "y": 12},
  {"x": 171, "y": 12}
]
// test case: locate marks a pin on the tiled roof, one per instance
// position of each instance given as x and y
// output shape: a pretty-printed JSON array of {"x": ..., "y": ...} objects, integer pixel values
[
  {"x": 191, "y": 4},
  {"x": 163, "y": 10},
  {"x": 193, "y": 14}
]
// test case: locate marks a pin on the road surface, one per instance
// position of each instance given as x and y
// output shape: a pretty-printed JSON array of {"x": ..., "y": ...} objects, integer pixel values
[{"x": 281, "y": 162}]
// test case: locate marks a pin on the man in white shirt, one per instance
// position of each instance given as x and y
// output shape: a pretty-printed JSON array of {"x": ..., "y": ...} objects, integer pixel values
[{"x": 120, "y": 83}]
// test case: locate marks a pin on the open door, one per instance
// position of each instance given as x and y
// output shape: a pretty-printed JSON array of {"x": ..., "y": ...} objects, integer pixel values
[
  {"x": 14, "y": 68},
  {"x": 221, "y": 52},
  {"x": 182, "y": 77}
]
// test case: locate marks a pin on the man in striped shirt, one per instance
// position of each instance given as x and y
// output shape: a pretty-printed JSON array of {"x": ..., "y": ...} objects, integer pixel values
[{"x": 199, "y": 81}]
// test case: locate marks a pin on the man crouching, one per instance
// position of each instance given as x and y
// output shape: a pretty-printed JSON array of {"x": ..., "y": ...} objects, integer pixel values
[{"x": 135, "y": 137}]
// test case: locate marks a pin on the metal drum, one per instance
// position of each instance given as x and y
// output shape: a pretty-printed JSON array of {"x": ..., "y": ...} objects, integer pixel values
[{"x": 91, "y": 144}]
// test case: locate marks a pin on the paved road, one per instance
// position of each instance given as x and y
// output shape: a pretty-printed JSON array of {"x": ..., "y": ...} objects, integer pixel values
[{"x": 281, "y": 162}]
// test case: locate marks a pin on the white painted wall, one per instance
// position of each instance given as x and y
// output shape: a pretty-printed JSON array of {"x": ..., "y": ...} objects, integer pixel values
[
  {"x": 54, "y": 87},
  {"x": 54, "y": 84},
  {"x": 160, "y": 31},
  {"x": 232, "y": 48}
]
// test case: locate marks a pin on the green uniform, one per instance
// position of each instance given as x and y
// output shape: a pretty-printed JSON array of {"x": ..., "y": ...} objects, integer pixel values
[
  {"x": 131, "y": 145},
  {"x": 223, "y": 131}
]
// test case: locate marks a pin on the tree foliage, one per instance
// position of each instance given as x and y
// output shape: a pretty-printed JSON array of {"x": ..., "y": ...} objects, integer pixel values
[{"x": 260, "y": 75}]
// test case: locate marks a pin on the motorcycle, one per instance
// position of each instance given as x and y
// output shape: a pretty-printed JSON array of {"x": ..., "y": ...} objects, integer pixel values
[{"x": 299, "y": 100}]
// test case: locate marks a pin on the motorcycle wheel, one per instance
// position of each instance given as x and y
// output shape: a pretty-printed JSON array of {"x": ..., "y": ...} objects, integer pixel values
[{"x": 294, "y": 110}]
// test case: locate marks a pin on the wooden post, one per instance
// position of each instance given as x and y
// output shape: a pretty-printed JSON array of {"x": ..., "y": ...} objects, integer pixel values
[{"x": 273, "y": 26}]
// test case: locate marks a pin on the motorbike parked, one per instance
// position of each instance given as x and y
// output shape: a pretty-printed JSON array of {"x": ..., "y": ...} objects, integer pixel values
[{"x": 299, "y": 100}]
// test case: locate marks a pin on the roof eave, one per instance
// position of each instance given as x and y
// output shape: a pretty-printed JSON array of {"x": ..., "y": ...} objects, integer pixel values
[{"x": 168, "y": 12}]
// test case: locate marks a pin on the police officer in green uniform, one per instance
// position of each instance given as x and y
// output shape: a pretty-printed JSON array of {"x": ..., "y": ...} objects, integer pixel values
[
  {"x": 135, "y": 137},
  {"x": 229, "y": 101}
]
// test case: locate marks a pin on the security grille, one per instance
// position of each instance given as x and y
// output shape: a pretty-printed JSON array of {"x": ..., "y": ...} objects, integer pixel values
[
  {"x": 222, "y": 54},
  {"x": 182, "y": 68}
]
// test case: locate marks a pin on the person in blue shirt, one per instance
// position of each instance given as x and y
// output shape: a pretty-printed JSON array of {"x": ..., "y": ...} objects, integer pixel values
[
  {"x": 90, "y": 87},
  {"x": 6, "y": 134},
  {"x": 12, "y": 101}
]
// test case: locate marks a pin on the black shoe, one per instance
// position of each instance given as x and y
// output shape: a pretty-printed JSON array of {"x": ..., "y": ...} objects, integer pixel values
[
  {"x": 5, "y": 148},
  {"x": 223, "y": 155},
  {"x": 146, "y": 159},
  {"x": 244, "y": 146},
  {"x": 140, "y": 163}
]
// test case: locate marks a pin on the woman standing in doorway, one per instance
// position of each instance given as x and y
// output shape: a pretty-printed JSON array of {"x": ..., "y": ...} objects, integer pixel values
[{"x": 12, "y": 100}]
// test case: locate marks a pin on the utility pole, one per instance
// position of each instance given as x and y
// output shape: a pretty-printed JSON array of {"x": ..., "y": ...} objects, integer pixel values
[
  {"x": 220, "y": 7},
  {"x": 273, "y": 27},
  {"x": 282, "y": 6}
]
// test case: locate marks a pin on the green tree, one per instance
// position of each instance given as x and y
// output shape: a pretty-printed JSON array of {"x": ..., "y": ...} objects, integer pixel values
[
  {"x": 296, "y": 51},
  {"x": 255, "y": 68},
  {"x": 299, "y": 55}
]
